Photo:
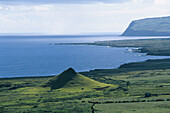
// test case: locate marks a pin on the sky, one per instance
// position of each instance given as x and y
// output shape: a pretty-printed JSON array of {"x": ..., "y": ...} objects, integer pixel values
[{"x": 62, "y": 17}]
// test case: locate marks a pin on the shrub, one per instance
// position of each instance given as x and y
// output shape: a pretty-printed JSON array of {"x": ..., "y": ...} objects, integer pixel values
[
  {"x": 143, "y": 100},
  {"x": 168, "y": 99},
  {"x": 159, "y": 100},
  {"x": 148, "y": 95},
  {"x": 1, "y": 110}
]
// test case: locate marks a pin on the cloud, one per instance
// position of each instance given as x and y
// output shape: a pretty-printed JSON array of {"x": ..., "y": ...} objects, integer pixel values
[
  {"x": 74, "y": 17},
  {"x": 136, "y": 1},
  {"x": 26, "y": 8},
  {"x": 145, "y": 1},
  {"x": 159, "y": 2},
  {"x": 61, "y": 1}
]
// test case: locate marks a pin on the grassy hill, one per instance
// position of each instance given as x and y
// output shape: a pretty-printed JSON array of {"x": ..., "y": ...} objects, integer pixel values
[
  {"x": 67, "y": 92},
  {"x": 19, "y": 95},
  {"x": 149, "y": 27},
  {"x": 71, "y": 80}
]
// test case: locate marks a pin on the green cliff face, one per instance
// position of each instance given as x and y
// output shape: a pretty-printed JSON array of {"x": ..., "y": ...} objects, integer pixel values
[{"x": 149, "y": 27}]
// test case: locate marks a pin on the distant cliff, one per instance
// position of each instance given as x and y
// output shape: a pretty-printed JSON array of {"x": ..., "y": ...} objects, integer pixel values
[{"x": 149, "y": 27}]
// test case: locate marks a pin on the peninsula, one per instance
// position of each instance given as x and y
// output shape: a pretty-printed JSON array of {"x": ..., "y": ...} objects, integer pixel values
[{"x": 149, "y": 27}]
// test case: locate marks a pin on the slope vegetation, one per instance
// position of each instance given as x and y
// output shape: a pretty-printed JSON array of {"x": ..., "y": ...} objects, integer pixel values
[
  {"x": 149, "y": 27},
  {"x": 72, "y": 80}
]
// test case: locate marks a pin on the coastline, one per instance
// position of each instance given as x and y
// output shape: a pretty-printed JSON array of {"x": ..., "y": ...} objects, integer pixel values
[
  {"x": 134, "y": 81},
  {"x": 154, "y": 64},
  {"x": 154, "y": 46},
  {"x": 108, "y": 44}
]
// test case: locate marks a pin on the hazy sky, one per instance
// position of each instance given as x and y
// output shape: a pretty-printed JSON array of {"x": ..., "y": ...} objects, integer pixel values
[{"x": 76, "y": 16}]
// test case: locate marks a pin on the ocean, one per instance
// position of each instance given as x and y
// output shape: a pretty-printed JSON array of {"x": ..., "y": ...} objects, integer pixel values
[{"x": 24, "y": 56}]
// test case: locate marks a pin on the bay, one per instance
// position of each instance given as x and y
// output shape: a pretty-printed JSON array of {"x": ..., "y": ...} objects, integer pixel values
[{"x": 23, "y": 56}]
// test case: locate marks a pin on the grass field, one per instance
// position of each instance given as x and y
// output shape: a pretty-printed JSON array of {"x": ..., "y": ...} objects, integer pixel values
[
  {"x": 30, "y": 95},
  {"x": 132, "y": 85},
  {"x": 147, "y": 107}
]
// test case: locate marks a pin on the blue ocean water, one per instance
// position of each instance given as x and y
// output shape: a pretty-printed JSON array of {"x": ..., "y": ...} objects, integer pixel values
[{"x": 22, "y": 56}]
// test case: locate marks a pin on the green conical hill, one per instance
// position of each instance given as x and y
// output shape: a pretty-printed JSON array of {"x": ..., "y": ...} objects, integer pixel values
[{"x": 72, "y": 80}]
